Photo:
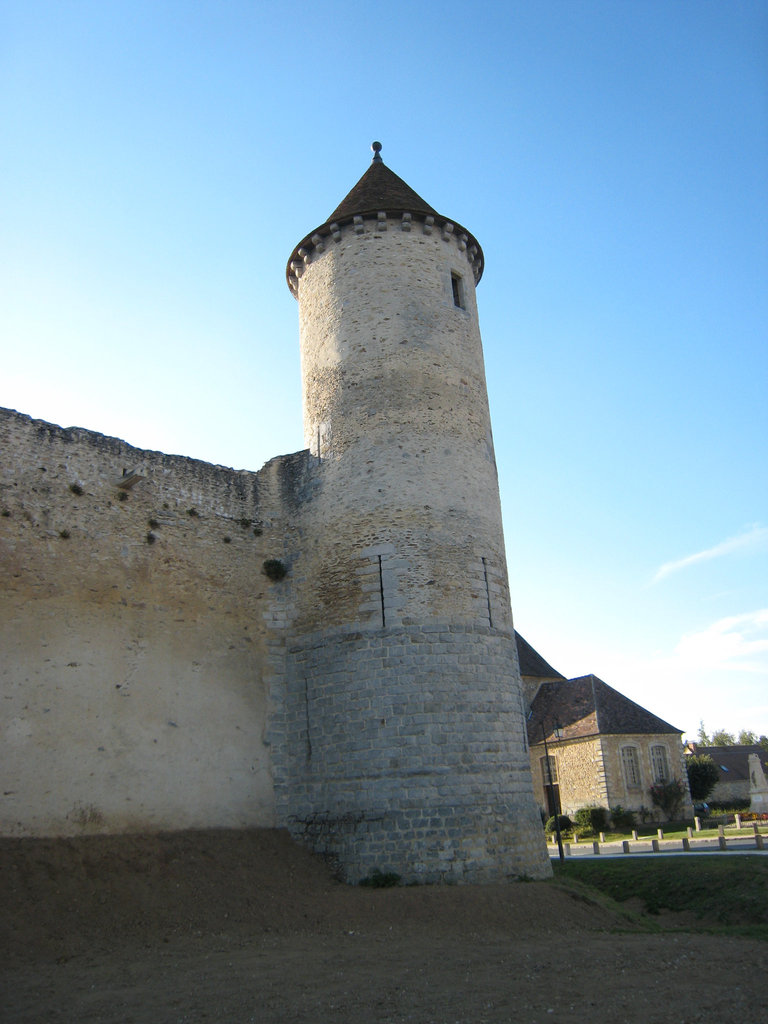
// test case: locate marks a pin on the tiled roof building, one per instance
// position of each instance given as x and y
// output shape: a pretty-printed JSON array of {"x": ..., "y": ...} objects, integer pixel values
[{"x": 604, "y": 749}]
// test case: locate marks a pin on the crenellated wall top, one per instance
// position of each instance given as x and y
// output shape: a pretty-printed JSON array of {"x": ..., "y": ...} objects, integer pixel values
[{"x": 378, "y": 221}]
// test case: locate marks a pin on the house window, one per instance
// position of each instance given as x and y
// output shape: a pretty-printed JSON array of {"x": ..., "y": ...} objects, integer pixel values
[
  {"x": 457, "y": 286},
  {"x": 659, "y": 764},
  {"x": 545, "y": 773},
  {"x": 630, "y": 764}
]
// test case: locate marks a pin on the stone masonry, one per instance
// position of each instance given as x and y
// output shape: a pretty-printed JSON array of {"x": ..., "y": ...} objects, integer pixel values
[
  {"x": 155, "y": 677},
  {"x": 403, "y": 690}
]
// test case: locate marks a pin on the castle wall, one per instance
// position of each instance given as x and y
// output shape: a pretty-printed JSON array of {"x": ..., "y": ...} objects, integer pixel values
[
  {"x": 371, "y": 700},
  {"x": 139, "y": 636}
]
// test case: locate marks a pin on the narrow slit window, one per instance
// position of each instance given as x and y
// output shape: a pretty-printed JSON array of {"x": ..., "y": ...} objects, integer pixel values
[{"x": 457, "y": 286}]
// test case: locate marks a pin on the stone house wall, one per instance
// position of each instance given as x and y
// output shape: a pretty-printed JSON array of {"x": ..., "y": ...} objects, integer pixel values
[
  {"x": 590, "y": 772},
  {"x": 579, "y": 770},
  {"x": 636, "y": 797}
]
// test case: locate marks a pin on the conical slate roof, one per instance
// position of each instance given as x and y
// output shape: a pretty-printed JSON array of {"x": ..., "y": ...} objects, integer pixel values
[{"x": 380, "y": 191}]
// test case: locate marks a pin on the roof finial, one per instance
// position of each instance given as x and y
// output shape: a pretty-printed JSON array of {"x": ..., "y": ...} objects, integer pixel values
[{"x": 376, "y": 147}]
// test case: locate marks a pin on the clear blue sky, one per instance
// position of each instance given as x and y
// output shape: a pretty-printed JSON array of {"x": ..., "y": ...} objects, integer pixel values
[{"x": 161, "y": 159}]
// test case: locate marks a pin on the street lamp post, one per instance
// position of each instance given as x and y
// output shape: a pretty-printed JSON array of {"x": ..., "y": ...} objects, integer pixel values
[{"x": 558, "y": 732}]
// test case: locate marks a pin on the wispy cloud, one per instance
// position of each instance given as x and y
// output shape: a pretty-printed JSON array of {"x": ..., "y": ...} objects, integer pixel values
[
  {"x": 737, "y": 642},
  {"x": 755, "y": 537}
]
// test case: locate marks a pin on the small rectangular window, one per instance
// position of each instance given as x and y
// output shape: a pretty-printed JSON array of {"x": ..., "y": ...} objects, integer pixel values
[{"x": 458, "y": 290}]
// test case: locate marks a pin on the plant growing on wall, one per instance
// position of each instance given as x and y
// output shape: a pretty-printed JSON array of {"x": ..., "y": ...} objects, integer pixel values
[{"x": 274, "y": 569}]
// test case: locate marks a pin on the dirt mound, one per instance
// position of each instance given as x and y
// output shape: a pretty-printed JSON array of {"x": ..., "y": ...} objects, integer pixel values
[
  {"x": 104, "y": 890},
  {"x": 247, "y": 927}
]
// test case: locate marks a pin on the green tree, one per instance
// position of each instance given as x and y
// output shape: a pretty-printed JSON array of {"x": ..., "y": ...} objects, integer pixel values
[
  {"x": 721, "y": 738},
  {"x": 702, "y": 776},
  {"x": 703, "y": 739},
  {"x": 763, "y": 741},
  {"x": 747, "y": 738}
]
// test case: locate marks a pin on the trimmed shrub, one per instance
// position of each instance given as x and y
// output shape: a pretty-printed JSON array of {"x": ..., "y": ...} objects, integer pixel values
[
  {"x": 591, "y": 820},
  {"x": 729, "y": 806},
  {"x": 621, "y": 819},
  {"x": 565, "y": 824}
]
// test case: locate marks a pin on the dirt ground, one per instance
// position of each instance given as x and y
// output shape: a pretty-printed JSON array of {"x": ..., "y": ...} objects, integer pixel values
[{"x": 246, "y": 927}]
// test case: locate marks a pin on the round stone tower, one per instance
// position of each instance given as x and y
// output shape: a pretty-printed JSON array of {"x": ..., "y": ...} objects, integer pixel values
[{"x": 404, "y": 743}]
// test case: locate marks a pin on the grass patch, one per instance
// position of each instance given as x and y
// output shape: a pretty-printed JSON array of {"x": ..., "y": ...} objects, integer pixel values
[
  {"x": 649, "y": 832},
  {"x": 720, "y": 892},
  {"x": 380, "y": 879}
]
